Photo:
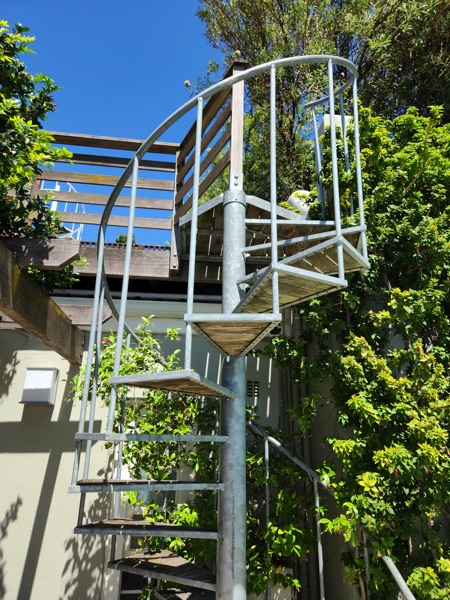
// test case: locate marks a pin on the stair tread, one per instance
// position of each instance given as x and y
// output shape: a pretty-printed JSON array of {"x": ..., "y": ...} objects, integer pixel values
[
  {"x": 144, "y": 528},
  {"x": 182, "y": 381},
  {"x": 123, "y": 485},
  {"x": 293, "y": 288},
  {"x": 165, "y": 565},
  {"x": 185, "y": 594},
  {"x": 232, "y": 335}
]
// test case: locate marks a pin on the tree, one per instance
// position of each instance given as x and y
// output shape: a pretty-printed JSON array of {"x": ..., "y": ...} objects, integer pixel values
[
  {"x": 401, "y": 49},
  {"x": 391, "y": 372},
  {"x": 25, "y": 101}
]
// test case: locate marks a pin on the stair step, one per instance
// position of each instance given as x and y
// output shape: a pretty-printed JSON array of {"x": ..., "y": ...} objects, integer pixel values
[
  {"x": 165, "y": 566},
  {"x": 233, "y": 334},
  {"x": 143, "y": 529},
  {"x": 127, "y": 485},
  {"x": 295, "y": 285},
  {"x": 151, "y": 437},
  {"x": 185, "y": 594},
  {"x": 183, "y": 381}
]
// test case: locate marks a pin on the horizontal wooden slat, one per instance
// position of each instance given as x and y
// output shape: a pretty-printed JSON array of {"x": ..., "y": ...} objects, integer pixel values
[
  {"x": 210, "y": 111},
  {"x": 208, "y": 159},
  {"x": 110, "y": 180},
  {"x": 205, "y": 184},
  {"x": 90, "y": 219},
  {"x": 207, "y": 139},
  {"x": 120, "y": 161},
  {"x": 102, "y": 199},
  {"x": 115, "y": 143}
]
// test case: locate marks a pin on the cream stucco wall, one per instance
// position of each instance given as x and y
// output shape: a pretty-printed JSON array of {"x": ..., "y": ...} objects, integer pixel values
[{"x": 40, "y": 557}]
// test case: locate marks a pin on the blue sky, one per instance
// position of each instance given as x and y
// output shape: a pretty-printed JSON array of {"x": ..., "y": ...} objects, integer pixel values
[{"x": 122, "y": 65}]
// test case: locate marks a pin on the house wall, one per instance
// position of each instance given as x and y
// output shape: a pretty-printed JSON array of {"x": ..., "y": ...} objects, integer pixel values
[{"x": 40, "y": 557}]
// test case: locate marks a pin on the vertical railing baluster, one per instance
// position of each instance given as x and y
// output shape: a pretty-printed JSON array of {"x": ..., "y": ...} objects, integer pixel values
[
  {"x": 319, "y": 540},
  {"x": 267, "y": 493},
  {"x": 358, "y": 169},
  {"x": 318, "y": 162},
  {"x": 273, "y": 188},
  {"x": 335, "y": 171},
  {"x": 193, "y": 241},
  {"x": 90, "y": 353},
  {"x": 344, "y": 138},
  {"x": 124, "y": 296},
  {"x": 93, "y": 405}
]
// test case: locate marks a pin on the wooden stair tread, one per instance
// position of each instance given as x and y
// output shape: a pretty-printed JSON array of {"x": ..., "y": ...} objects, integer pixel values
[
  {"x": 185, "y": 594},
  {"x": 183, "y": 381},
  {"x": 144, "y": 528},
  {"x": 231, "y": 334},
  {"x": 166, "y": 566},
  {"x": 125, "y": 485},
  {"x": 293, "y": 288}
]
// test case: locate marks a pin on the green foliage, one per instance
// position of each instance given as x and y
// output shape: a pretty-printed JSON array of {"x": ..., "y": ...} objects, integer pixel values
[
  {"x": 391, "y": 370},
  {"x": 401, "y": 49},
  {"x": 273, "y": 546},
  {"x": 25, "y": 101}
]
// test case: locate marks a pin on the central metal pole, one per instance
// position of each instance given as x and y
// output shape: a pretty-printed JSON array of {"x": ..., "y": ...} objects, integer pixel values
[
  {"x": 231, "y": 544},
  {"x": 232, "y": 535}
]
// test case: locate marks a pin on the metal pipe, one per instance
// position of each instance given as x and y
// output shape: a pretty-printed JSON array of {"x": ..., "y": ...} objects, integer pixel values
[
  {"x": 193, "y": 244},
  {"x": 273, "y": 187},
  {"x": 124, "y": 297},
  {"x": 318, "y": 161},
  {"x": 89, "y": 358},
  {"x": 344, "y": 138},
  {"x": 401, "y": 583},
  {"x": 358, "y": 168},
  {"x": 267, "y": 493},
  {"x": 87, "y": 457},
  {"x": 319, "y": 540},
  {"x": 335, "y": 171}
]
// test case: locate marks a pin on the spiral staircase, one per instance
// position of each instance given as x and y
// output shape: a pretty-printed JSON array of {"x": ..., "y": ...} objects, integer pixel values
[{"x": 267, "y": 258}]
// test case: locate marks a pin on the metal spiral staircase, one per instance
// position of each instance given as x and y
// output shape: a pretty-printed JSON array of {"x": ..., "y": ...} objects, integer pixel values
[{"x": 270, "y": 258}]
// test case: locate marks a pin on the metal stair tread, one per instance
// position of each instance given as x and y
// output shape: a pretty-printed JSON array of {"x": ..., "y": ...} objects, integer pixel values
[
  {"x": 185, "y": 594},
  {"x": 182, "y": 381},
  {"x": 125, "y": 485},
  {"x": 150, "y": 437},
  {"x": 233, "y": 334},
  {"x": 166, "y": 566},
  {"x": 136, "y": 528}
]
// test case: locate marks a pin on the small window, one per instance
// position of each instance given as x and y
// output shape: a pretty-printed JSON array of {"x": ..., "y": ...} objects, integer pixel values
[{"x": 40, "y": 386}]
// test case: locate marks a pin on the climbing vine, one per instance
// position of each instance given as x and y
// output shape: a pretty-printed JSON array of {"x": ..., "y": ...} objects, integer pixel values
[{"x": 390, "y": 373}]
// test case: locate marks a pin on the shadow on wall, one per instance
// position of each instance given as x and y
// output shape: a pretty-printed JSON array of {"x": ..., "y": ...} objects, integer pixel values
[
  {"x": 8, "y": 369},
  {"x": 10, "y": 516},
  {"x": 84, "y": 569}
]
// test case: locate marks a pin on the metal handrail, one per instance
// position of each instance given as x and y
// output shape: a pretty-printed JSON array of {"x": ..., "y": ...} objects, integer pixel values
[
  {"x": 317, "y": 480},
  {"x": 206, "y": 95}
]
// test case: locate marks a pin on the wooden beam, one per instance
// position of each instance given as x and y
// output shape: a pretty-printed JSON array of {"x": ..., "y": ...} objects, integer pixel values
[
  {"x": 145, "y": 264},
  {"x": 31, "y": 308},
  {"x": 114, "y": 221},
  {"x": 79, "y": 315},
  {"x": 102, "y": 199},
  {"x": 101, "y": 141},
  {"x": 120, "y": 162},
  {"x": 110, "y": 180},
  {"x": 45, "y": 254}
]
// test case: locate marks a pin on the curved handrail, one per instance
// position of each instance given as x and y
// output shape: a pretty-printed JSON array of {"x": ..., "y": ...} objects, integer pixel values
[{"x": 185, "y": 108}]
